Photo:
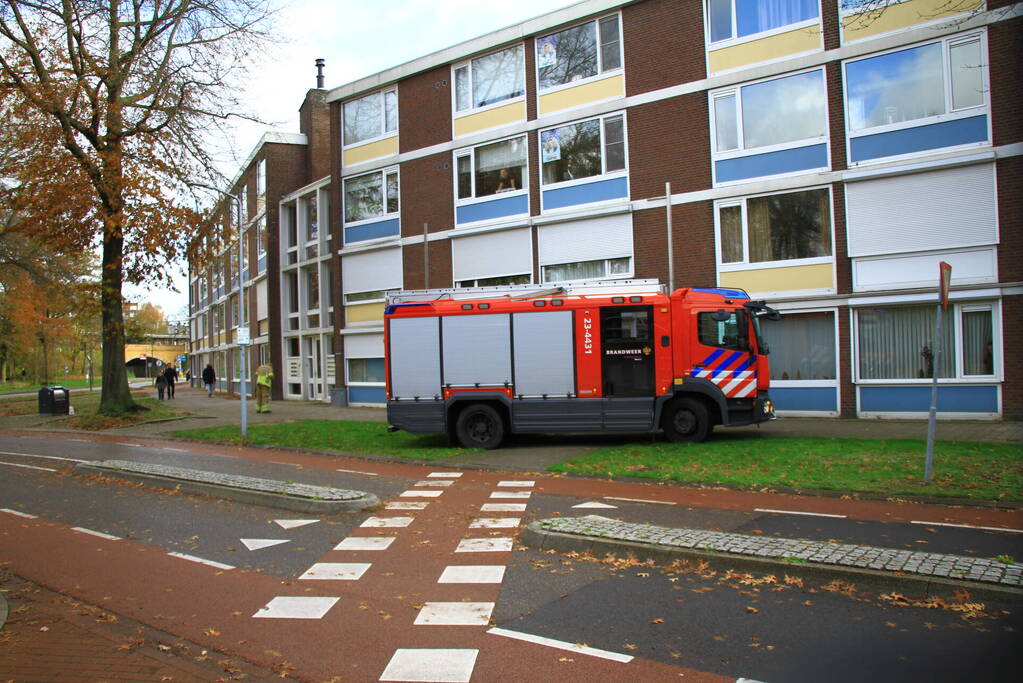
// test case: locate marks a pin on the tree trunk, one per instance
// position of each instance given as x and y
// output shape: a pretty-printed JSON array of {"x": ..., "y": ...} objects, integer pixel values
[{"x": 115, "y": 398}]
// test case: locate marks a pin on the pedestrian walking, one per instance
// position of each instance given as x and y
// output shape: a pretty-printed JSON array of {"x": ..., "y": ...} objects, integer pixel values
[
  {"x": 161, "y": 385},
  {"x": 264, "y": 380},
  {"x": 209, "y": 378},
  {"x": 172, "y": 375}
]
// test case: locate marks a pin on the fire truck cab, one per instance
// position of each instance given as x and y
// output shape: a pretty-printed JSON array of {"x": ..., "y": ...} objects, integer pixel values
[{"x": 481, "y": 364}]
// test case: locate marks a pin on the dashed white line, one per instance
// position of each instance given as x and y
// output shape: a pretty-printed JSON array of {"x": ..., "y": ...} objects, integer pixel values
[
  {"x": 562, "y": 645},
  {"x": 28, "y": 467},
  {"x": 95, "y": 533},
  {"x": 641, "y": 500},
  {"x": 368, "y": 474},
  {"x": 19, "y": 514},
  {"x": 799, "y": 512},
  {"x": 45, "y": 457},
  {"x": 200, "y": 560},
  {"x": 969, "y": 526}
]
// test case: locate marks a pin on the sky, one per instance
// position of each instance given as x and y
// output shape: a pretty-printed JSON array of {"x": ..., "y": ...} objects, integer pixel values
[{"x": 357, "y": 38}]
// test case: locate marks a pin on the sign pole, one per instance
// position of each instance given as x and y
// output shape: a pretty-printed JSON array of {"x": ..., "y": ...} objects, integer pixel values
[
  {"x": 671, "y": 250},
  {"x": 944, "y": 282}
]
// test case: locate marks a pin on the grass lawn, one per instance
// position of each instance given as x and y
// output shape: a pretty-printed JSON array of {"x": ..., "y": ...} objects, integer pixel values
[
  {"x": 983, "y": 471},
  {"x": 331, "y": 435},
  {"x": 69, "y": 382},
  {"x": 86, "y": 403}
]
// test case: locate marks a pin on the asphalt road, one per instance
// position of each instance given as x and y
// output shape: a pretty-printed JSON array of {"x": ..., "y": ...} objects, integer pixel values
[{"x": 690, "y": 625}]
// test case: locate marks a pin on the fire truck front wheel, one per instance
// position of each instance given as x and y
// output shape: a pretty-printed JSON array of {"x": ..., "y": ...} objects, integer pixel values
[
  {"x": 479, "y": 426},
  {"x": 686, "y": 419}
]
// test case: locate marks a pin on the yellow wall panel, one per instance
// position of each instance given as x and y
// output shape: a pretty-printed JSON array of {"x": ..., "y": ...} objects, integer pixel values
[
  {"x": 902, "y": 15},
  {"x": 793, "y": 278},
  {"x": 373, "y": 150},
  {"x": 595, "y": 91},
  {"x": 364, "y": 313},
  {"x": 772, "y": 47},
  {"x": 492, "y": 118}
]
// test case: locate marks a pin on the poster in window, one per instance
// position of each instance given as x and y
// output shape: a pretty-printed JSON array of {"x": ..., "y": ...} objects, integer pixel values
[
  {"x": 550, "y": 143},
  {"x": 547, "y": 52}
]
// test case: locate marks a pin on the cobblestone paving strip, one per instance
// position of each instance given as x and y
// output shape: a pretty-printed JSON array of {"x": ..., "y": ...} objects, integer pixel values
[
  {"x": 840, "y": 554},
  {"x": 325, "y": 493}
]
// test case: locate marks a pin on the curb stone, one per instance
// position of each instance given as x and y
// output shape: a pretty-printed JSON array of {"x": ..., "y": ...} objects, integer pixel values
[
  {"x": 918, "y": 586},
  {"x": 3, "y": 611},
  {"x": 242, "y": 489}
]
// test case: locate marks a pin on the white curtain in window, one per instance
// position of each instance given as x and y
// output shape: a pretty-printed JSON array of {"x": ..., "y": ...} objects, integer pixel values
[
  {"x": 802, "y": 345},
  {"x": 507, "y": 154},
  {"x": 978, "y": 344},
  {"x": 898, "y": 343}
]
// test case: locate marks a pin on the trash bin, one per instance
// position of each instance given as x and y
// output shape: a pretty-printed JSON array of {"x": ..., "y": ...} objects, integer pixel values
[{"x": 54, "y": 401}]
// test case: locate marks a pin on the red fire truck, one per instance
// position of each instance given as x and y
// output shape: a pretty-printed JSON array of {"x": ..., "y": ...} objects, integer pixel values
[{"x": 594, "y": 357}]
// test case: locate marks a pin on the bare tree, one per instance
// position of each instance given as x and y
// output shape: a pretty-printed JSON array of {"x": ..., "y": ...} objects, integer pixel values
[{"x": 120, "y": 100}]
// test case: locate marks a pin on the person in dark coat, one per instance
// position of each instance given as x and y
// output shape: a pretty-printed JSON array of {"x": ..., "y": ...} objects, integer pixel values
[
  {"x": 172, "y": 375},
  {"x": 161, "y": 384},
  {"x": 209, "y": 378}
]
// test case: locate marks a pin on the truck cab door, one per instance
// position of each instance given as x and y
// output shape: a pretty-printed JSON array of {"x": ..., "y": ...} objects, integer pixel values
[
  {"x": 627, "y": 352},
  {"x": 723, "y": 352}
]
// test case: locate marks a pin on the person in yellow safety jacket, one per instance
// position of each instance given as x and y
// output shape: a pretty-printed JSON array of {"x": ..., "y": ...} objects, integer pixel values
[{"x": 264, "y": 378}]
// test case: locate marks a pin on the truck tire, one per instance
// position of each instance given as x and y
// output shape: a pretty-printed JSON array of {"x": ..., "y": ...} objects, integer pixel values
[
  {"x": 686, "y": 419},
  {"x": 480, "y": 426}
]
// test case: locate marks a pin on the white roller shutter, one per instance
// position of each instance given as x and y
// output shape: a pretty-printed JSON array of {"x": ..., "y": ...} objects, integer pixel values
[
  {"x": 586, "y": 240},
  {"x": 943, "y": 209},
  {"x": 261, "y": 302},
  {"x": 509, "y": 252},
  {"x": 364, "y": 345},
  {"x": 371, "y": 270}
]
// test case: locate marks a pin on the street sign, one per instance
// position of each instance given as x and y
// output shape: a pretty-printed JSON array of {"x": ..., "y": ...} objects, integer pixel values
[
  {"x": 944, "y": 282},
  {"x": 243, "y": 336}
]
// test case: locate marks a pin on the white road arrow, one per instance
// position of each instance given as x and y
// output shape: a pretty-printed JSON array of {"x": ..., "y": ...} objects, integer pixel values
[
  {"x": 260, "y": 543},
  {"x": 292, "y": 523},
  {"x": 591, "y": 504}
]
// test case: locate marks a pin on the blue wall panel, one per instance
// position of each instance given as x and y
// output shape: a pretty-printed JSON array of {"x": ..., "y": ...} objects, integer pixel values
[
  {"x": 495, "y": 208},
  {"x": 919, "y": 139},
  {"x": 917, "y": 399},
  {"x": 599, "y": 191},
  {"x": 805, "y": 398},
  {"x": 367, "y": 395},
  {"x": 772, "y": 163},
  {"x": 369, "y": 231}
]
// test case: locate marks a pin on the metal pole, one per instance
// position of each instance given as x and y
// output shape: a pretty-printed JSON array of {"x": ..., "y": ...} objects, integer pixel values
[
  {"x": 242, "y": 349},
  {"x": 932, "y": 417},
  {"x": 426, "y": 255},
  {"x": 671, "y": 251}
]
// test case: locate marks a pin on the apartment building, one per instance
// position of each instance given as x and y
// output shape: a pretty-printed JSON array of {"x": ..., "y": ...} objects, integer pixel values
[{"x": 815, "y": 153}]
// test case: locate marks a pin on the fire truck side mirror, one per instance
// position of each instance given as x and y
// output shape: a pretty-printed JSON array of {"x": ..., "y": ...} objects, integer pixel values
[{"x": 720, "y": 315}]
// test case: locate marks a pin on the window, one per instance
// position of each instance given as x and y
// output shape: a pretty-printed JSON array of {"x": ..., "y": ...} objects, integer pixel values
[
  {"x": 915, "y": 84},
  {"x": 370, "y": 117},
  {"x": 523, "y": 279},
  {"x": 802, "y": 346},
  {"x": 579, "y": 52},
  {"x": 243, "y": 205},
  {"x": 261, "y": 178},
  {"x": 725, "y": 334},
  {"x": 365, "y": 369},
  {"x": 978, "y": 341},
  {"x": 779, "y": 227},
  {"x": 371, "y": 196},
  {"x": 312, "y": 289},
  {"x": 588, "y": 270},
  {"x": 774, "y": 112},
  {"x": 490, "y": 169},
  {"x": 491, "y": 78},
  {"x": 262, "y": 238},
  {"x": 897, "y": 343},
  {"x": 311, "y": 218},
  {"x": 364, "y": 297},
  {"x": 291, "y": 285},
  {"x": 740, "y": 18},
  {"x": 582, "y": 150}
]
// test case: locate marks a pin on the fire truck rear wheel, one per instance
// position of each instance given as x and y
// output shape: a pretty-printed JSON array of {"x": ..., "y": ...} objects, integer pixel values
[
  {"x": 686, "y": 419},
  {"x": 480, "y": 426}
]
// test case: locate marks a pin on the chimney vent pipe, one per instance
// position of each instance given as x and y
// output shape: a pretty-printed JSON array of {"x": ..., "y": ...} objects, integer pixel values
[{"x": 319, "y": 73}]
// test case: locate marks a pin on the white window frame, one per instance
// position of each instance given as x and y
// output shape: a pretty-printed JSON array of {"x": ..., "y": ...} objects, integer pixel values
[
  {"x": 375, "y": 300},
  {"x": 383, "y": 173},
  {"x": 607, "y": 276},
  {"x": 304, "y": 238},
  {"x": 735, "y": 39},
  {"x": 475, "y": 280},
  {"x": 804, "y": 383},
  {"x": 604, "y": 173},
  {"x": 742, "y": 151},
  {"x": 601, "y": 74},
  {"x": 468, "y": 64},
  {"x": 261, "y": 178},
  {"x": 384, "y": 133},
  {"x": 471, "y": 153},
  {"x": 955, "y": 312},
  {"x": 349, "y": 359},
  {"x": 745, "y": 264},
  {"x": 950, "y": 113}
]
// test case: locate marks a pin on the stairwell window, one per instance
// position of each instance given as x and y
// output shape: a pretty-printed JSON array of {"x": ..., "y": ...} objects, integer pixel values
[{"x": 579, "y": 53}]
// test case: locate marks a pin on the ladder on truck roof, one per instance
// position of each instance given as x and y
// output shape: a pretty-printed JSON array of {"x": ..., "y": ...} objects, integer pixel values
[{"x": 604, "y": 287}]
